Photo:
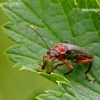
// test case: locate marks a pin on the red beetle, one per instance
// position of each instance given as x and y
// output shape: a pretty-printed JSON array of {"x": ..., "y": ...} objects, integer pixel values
[
  {"x": 71, "y": 52},
  {"x": 64, "y": 52}
]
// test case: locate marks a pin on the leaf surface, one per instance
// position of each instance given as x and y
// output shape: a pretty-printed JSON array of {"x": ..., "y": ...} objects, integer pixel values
[{"x": 56, "y": 21}]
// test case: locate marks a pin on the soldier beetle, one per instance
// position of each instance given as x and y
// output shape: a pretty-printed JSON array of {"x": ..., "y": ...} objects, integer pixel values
[{"x": 64, "y": 52}]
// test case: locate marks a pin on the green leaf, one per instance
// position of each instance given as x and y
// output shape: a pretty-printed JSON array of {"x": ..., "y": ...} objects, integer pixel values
[
  {"x": 65, "y": 92},
  {"x": 55, "y": 21},
  {"x": 55, "y": 77}
]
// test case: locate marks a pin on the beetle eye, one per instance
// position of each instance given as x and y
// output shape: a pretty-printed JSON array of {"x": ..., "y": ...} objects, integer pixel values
[
  {"x": 48, "y": 53},
  {"x": 56, "y": 56}
]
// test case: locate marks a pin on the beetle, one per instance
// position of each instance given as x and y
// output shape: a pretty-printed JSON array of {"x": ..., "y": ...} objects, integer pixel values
[{"x": 63, "y": 52}]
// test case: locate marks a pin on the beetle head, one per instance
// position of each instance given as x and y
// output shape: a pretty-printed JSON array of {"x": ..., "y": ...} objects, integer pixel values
[
  {"x": 56, "y": 51},
  {"x": 52, "y": 54}
]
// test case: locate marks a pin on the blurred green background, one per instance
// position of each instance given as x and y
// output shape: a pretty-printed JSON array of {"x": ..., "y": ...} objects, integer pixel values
[{"x": 15, "y": 84}]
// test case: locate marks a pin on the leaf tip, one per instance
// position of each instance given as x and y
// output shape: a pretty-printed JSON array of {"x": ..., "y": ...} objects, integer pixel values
[
  {"x": 2, "y": 27},
  {"x": 4, "y": 52},
  {"x": 46, "y": 91},
  {"x": 1, "y": 4},
  {"x": 22, "y": 68}
]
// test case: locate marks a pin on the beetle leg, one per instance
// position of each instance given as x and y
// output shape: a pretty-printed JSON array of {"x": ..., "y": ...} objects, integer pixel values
[
  {"x": 65, "y": 42},
  {"x": 70, "y": 67},
  {"x": 38, "y": 70},
  {"x": 42, "y": 66},
  {"x": 45, "y": 57},
  {"x": 87, "y": 75},
  {"x": 56, "y": 66},
  {"x": 62, "y": 59},
  {"x": 88, "y": 68},
  {"x": 84, "y": 61}
]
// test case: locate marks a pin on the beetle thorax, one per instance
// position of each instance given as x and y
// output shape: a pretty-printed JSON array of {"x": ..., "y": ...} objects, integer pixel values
[
  {"x": 60, "y": 49},
  {"x": 56, "y": 51}
]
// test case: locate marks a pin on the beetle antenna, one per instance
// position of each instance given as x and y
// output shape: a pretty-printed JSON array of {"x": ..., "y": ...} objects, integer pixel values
[{"x": 38, "y": 35}]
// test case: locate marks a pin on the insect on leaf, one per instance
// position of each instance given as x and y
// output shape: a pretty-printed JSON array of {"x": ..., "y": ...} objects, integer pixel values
[{"x": 56, "y": 21}]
